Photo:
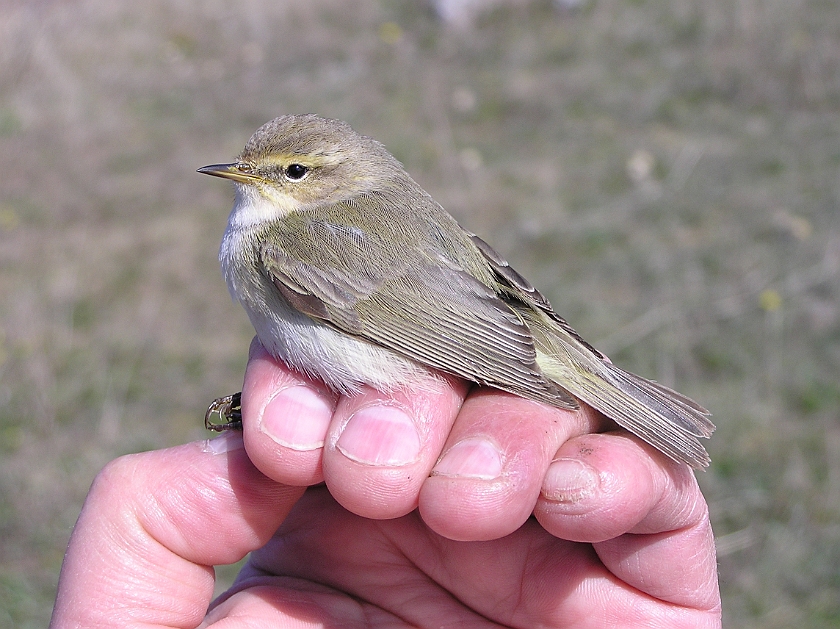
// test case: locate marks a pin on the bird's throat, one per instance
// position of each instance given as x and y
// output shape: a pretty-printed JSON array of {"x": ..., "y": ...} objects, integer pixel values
[{"x": 258, "y": 206}]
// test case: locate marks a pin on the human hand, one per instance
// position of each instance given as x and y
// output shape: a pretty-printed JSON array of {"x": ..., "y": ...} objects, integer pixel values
[{"x": 621, "y": 535}]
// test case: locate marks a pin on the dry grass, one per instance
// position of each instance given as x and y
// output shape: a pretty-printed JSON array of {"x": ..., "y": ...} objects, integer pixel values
[{"x": 667, "y": 171}]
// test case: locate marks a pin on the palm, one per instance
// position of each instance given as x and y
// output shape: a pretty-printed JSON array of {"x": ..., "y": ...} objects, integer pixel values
[{"x": 396, "y": 573}]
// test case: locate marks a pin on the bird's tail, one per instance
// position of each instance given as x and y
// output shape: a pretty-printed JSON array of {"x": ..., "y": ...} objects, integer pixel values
[{"x": 666, "y": 419}]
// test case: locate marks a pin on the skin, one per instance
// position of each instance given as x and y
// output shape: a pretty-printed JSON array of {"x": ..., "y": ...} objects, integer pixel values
[{"x": 620, "y": 537}]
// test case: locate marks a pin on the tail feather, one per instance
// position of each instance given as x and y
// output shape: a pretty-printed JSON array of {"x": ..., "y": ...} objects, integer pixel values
[
  {"x": 658, "y": 423},
  {"x": 669, "y": 421},
  {"x": 669, "y": 403}
]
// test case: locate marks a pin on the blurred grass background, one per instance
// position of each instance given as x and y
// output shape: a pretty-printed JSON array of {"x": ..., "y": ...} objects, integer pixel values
[{"x": 666, "y": 171}]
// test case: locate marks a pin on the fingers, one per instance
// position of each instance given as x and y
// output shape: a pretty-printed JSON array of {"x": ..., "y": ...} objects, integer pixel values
[
  {"x": 152, "y": 525},
  {"x": 381, "y": 448},
  {"x": 286, "y": 417},
  {"x": 477, "y": 467},
  {"x": 613, "y": 473},
  {"x": 374, "y": 450},
  {"x": 378, "y": 452},
  {"x": 488, "y": 480},
  {"x": 644, "y": 514}
]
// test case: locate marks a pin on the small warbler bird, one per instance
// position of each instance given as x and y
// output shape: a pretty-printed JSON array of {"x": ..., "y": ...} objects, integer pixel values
[{"x": 351, "y": 273}]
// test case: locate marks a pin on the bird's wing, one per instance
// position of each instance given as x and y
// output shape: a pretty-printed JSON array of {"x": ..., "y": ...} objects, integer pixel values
[
  {"x": 659, "y": 415},
  {"x": 417, "y": 304}
]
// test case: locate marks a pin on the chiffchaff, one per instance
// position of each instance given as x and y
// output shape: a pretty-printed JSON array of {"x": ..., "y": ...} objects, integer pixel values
[{"x": 352, "y": 273}]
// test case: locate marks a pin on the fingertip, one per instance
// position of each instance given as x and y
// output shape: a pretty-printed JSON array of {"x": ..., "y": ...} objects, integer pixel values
[
  {"x": 600, "y": 486},
  {"x": 488, "y": 480},
  {"x": 285, "y": 419},
  {"x": 570, "y": 481},
  {"x": 382, "y": 446},
  {"x": 597, "y": 487},
  {"x": 471, "y": 458}
]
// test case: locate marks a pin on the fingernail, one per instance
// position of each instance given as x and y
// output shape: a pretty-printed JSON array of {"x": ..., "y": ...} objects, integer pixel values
[
  {"x": 298, "y": 417},
  {"x": 225, "y": 442},
  {"x": 380, "y": 435},
  {"x": 569, "y": 480},
  {"x": 471, "y": 458}
]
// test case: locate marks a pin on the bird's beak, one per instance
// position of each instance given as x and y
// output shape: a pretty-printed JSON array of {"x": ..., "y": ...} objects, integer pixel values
[{"x": 228, "y": 171}]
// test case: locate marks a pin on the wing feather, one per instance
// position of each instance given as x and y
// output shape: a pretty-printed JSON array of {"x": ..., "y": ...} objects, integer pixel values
[
  {"x": 500, "y": 332},
  {"x": 664, "y": 418},
  {"x": 430, "y": 312}
]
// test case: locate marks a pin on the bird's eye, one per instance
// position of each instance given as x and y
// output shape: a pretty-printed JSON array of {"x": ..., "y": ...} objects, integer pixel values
[
  {"x": 244, "y": 167},
  {"x": 296, "y": 172}
]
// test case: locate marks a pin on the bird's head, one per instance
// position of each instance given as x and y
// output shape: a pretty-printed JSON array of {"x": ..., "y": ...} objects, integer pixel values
[{"x": 295, "y": 161}]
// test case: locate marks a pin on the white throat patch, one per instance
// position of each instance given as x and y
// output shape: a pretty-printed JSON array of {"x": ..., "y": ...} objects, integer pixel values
[{"x": 254, "y": 206}]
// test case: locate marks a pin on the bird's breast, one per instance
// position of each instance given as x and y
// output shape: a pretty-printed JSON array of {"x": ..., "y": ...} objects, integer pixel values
[{"x": 342, "y": 361}]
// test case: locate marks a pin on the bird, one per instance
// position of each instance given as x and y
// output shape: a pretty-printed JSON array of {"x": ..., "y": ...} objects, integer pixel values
[{"x": 351, "y": 273}]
